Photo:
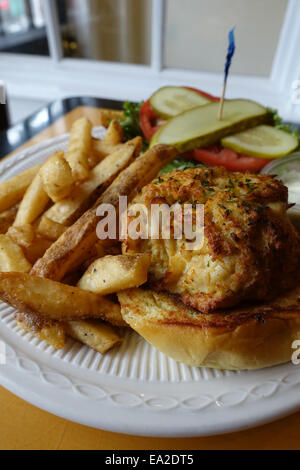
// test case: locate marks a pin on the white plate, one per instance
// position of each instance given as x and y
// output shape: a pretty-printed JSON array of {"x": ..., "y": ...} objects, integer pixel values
[{"x": 135, "y": 389}]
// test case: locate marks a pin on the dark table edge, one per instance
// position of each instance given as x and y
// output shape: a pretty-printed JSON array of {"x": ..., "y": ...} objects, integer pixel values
[{"x": 21, "y": 132}]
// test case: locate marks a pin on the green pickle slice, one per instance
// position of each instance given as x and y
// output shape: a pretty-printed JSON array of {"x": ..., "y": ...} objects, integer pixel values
[
  {"x": 170, "y": 101},
  {"x": 262, "y": 142},
  {"x": 200, "y": 127}
]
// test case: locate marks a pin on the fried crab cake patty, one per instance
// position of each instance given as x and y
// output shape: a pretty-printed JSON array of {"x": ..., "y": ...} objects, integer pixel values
[{"x": 250, "y": 250}]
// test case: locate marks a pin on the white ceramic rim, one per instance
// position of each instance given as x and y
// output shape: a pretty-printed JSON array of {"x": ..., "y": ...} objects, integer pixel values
[{"x": 270, "y": 168}]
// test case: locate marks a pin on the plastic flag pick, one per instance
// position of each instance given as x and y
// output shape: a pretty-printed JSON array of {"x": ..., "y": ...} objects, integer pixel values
[{"x": 230, "y": 54}]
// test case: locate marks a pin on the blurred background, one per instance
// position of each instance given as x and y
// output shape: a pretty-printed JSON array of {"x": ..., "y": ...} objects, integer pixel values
[{"x": 127, "y": 48}]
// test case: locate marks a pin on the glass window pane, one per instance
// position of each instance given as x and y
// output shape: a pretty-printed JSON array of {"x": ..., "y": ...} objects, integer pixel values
[
  {"x": 196, "y": 34},
  {"x": 22, "y": 27},
  {"x": 109, "y": 30}
]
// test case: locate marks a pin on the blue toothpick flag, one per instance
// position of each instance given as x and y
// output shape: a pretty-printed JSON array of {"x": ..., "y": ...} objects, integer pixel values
[{"x": 230, "y": 54}]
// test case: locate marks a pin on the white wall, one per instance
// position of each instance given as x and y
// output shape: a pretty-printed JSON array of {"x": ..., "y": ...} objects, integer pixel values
[{"x": 196, "y": 34}]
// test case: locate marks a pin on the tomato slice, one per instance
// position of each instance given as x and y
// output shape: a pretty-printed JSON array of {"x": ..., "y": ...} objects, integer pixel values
[
  {"x": 233, "y": 161},
  {"x": 148, "y": 120}
]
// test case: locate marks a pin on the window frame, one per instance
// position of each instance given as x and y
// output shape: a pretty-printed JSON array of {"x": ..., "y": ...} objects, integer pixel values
[{"x": 49, "y": 78}]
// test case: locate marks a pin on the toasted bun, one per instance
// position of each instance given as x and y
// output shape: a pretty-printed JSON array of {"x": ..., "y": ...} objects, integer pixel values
[{"x": 251, "y": 337}]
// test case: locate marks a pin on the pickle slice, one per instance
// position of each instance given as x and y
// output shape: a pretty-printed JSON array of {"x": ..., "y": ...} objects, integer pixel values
[
  {"x": 262, "y": 142},
  {"x": 200, "y": 127},
  {"x": 170, "y": 101}
]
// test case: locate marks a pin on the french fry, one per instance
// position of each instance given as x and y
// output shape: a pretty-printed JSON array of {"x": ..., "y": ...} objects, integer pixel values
[
  {"x": 114, "y": 317},
  {"x": 57, "y": 177},
  {"x": 12, "y": 190},
  {"x": 54, "y": 335},
  {"x": 49, "y": 229},
  {"x": 94, "y": 157},
  {"x": 111, "y": 143},
  {"x": 80, "y": 148},
  {"x": 101, "y": 149},
  {"x": 107, "y": 115},
  {"x": 95, "y": 334},
  {"x": 36, "y": 249},
  {"x": 114, "y": 134},
  {"x": 76, "y": 244},
  {"x": 112, "y": 274},
  {"x": 12, "y": 258},
  {"x": 7, "y": 218},
  {"x": 33, "y": 245},
  {"x": 33, "y": 204},
  {"x": 70, "y": 209},
  {"x": 55, "y": 301},
  {"x": 22, "y": 236}
]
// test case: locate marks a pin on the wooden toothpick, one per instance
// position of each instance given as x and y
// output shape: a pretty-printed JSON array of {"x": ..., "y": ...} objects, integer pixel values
[{"x": 222, "y": 102}]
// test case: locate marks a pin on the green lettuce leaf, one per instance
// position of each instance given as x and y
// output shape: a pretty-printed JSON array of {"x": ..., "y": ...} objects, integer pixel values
[
  {"x": 131, "y": 122},
  {"x": 180, "y": 164},
  {"x": 278, "y": 123}
]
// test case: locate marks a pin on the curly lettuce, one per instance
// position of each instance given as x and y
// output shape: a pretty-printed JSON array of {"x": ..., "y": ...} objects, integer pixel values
[
  {"x": 279, "y": 124},
  {"x": 180, "y": 164},
  {"x": 131, "y": 122}
]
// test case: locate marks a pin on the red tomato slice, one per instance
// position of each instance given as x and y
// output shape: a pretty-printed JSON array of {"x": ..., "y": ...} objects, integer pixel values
[
  {"x": 233, "y": 161},
  {"x": 148, "y": 120}
]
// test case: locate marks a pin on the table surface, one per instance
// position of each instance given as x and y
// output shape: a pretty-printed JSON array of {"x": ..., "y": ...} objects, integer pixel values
[{"x": 24, "y": 427}]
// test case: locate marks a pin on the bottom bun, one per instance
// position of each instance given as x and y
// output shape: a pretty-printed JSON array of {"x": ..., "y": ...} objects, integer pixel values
[{"x": 248, "y": 337}]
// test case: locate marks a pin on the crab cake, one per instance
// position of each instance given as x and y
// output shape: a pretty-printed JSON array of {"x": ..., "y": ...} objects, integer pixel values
[{"x": 250, "y": 249}]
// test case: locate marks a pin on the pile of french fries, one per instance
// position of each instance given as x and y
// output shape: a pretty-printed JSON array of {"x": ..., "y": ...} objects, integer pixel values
[{"x": 54, "y": 270}]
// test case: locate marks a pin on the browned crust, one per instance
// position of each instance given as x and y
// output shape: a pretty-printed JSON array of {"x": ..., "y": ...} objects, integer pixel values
[{"x": 178, "y": 313}]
